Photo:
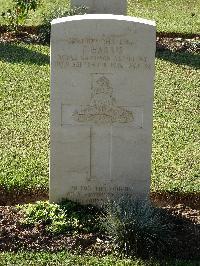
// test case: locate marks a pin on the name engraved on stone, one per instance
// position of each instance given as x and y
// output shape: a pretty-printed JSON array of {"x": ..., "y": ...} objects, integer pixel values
[{"x": 112, "y": 53}]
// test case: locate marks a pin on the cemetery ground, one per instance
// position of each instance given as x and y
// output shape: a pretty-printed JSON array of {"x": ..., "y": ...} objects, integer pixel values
[
  {"x": 25, "y": 144},
  {"x": 24, "y": 116},
  {"x": 184, "y": 20}
]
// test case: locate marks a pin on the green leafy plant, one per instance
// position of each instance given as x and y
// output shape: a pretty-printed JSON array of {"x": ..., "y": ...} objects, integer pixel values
[
  {"x": 19, "y": 14},
  {"x": 49, "y": 215},
  {"x": 68, "y": 217},
  {"x": 57, "y": 12},
  {"x": 87, "y": 216},
  {"x": 137, "y": 228}
]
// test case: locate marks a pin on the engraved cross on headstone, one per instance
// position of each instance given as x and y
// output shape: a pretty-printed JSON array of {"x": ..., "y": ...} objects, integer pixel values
[
  {"x": 100, "y": 153},
  {"x": 101, "y": 113}
]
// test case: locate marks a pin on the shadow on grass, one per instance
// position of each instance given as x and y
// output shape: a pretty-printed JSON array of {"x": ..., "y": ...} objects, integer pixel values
[
  {"x": 180, "y": 58},
  {"x": 14, "y": 53}
]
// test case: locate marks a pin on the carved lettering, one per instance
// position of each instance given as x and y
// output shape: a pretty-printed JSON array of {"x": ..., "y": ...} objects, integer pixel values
[{"x": 105, "y": 52}]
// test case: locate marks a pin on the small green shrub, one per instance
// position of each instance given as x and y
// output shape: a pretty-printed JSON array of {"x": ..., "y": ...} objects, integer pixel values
[
  {"x": 68, "y": 217},
  {"x": 137, "y": 228},
  {"x": 58, "y": 12},
  {"x": 19, "y": 14},
  {"x": 88, "y": 216},
  {"x": 49, "y": 215}
]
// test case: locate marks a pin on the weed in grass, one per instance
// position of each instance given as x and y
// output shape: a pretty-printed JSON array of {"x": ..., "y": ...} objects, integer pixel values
[{"x": 137, "y": 228}]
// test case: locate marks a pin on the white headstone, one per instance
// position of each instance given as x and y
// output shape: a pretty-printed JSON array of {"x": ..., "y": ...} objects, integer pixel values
[
  {"x": 102, "y": 72},
  {"x": 118, "y": 7}
]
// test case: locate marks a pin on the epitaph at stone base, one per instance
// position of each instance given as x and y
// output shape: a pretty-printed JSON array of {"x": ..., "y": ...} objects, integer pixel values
[
  {"x": 102, "y": 72},
  {"x": 117, "y": 7}
]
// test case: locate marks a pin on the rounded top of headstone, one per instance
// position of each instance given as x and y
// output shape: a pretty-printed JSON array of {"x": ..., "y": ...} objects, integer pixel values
[{"x": 103, "y": 17}]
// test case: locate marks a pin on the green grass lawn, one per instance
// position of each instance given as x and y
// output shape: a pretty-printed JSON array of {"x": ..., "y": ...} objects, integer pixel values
[
  {"x": 24, "y": 104},
  {"x": 171, "y": 16},
  {"x": 24, "y": 119},
  {"x": 67, "y": 259},
  {"x": 176, "y": 141}
]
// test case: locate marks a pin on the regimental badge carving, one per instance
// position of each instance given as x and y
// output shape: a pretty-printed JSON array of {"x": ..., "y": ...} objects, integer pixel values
[{"x": 103, "y": 108}]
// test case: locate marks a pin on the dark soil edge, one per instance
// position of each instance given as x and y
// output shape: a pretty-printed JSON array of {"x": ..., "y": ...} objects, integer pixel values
[
  {"x": 161, "y": 199},
  {"x": 15, "y": 236},
  {"x": 21, "y": 196},
  {"x": 35, "y": 30}
]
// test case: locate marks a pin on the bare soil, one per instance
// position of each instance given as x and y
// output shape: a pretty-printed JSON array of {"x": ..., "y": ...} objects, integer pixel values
[
  {"x": 15, "y": 237},
  {"x": 174, "y": 42},
  {"x": 22, "y": 196},
  {"x": 178, "y": 44}
]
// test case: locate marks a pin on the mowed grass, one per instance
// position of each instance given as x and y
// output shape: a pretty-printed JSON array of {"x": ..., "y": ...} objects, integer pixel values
[
  {"x": 176, "y": 135},
  {"x": 171, "y": 16},
  {"x": 24, "y": 119},
  {"x": 24, "y": 116},
  {"x": 67, "y": 259}
]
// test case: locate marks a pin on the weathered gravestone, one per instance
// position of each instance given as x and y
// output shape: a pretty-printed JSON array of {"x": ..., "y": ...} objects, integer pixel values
[
  {"x": 102, "y": 71},
  {"x": 118, "y": 7}
]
